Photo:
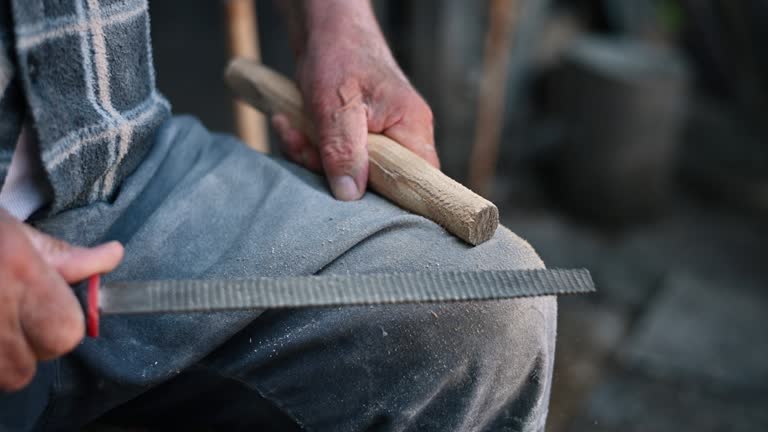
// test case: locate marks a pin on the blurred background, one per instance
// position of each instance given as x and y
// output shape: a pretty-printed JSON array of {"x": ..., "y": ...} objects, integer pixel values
[{"x": 625, "y": 136}]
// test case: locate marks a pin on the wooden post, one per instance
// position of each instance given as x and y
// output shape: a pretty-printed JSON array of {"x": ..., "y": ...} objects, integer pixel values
[
  {"x": 493, "y": 85},
  {"x": 244, "y": 42}
]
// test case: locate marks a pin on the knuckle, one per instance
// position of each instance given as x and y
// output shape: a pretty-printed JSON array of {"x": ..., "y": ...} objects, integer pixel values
[
  {"x": 324, "y": 106},
  {"x": 18, "y": 257},
  {"x": 65, "y": 334},
  {"x": 423, "y": 109},
  {"x": 10, "y": 242},
  {"x": 414, "y": 108},
  {"x": 72, "y": 333},
  {"x": 17, "y": 364},
  {"x": 329, "y": 100},
  {"x": 428, "y": 115},
  {"x": 18, "y": 378},
  {"x": 53, "y": 321},
  {"x": 337, "y": 152},
  {"x": 46, "y": 245},
  {"x": 20, "y": 265},
  {"x": 24, "y": 269}
]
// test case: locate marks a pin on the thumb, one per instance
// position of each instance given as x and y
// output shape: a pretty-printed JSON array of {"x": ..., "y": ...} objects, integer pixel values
[
  {"x": 75, "y": 263},
  {"x": 342, "y": 132}
]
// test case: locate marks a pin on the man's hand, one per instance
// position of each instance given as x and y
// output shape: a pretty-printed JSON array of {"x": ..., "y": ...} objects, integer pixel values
[
  {"x": 351, "y": 85},
  {"x": 40, "y": 317}
]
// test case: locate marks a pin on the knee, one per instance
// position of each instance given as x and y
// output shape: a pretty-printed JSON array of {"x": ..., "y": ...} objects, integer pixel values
[
  {"x": 493, "y": 359},
  {"x": 506, "y": 340},
  {"x": 487, "y": 362},
  {"x": 510, "y": 337}
]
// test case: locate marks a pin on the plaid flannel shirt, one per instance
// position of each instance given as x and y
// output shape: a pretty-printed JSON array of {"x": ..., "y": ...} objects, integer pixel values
[{"x": 81, "y": 72}]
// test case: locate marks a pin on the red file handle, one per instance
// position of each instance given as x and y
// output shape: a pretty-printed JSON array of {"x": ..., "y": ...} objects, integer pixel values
[{"x": 92, "y": 306}]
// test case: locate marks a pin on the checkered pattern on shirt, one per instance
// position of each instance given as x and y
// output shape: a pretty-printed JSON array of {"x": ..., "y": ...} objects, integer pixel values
[{"x": 83, "y": 70}]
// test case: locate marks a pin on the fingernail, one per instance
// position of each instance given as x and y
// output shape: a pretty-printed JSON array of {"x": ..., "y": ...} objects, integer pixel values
[
  {"x": 344, "y": 188},
  {"x": 279, "y": 121},
  {"x": 112, "y": 245},
  {"x": 109, "y": 244}
]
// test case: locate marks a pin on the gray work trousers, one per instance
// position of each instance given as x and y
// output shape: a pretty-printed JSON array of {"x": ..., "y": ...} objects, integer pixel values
[{"x": 202, "y": 205}]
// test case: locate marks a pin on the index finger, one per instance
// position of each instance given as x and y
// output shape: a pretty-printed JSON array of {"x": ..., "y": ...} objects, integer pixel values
[{"x": 416, "y": 137}]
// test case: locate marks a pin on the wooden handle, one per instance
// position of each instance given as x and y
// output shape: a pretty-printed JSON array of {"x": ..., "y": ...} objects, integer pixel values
[{"x": 395, "y": 172}]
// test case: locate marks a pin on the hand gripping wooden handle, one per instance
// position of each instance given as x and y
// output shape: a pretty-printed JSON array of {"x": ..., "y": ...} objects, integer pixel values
[{"x": 395, "y": 172}]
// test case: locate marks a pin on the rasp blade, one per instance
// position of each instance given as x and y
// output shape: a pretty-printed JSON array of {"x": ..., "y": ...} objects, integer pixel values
[{"x": 336, "y": 290}]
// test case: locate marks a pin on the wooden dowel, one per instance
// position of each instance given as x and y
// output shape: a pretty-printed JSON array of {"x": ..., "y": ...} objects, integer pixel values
[
  {"x": 395, "y": 172},
  {"x": 244, "y": 42}
]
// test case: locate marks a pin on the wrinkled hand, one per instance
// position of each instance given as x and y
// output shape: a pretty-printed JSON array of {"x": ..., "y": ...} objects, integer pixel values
[
  {"x": 40, "y": 317},
  {"x": 352, "y": 85}
]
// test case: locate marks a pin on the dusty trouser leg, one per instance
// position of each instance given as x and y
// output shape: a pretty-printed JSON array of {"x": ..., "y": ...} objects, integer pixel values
[
  {"x": 442, "y": 367},
  {"x": 202, "y": 206},
  {"x": 460, "y": 366},
  {"x": 447, "y": 367}
]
